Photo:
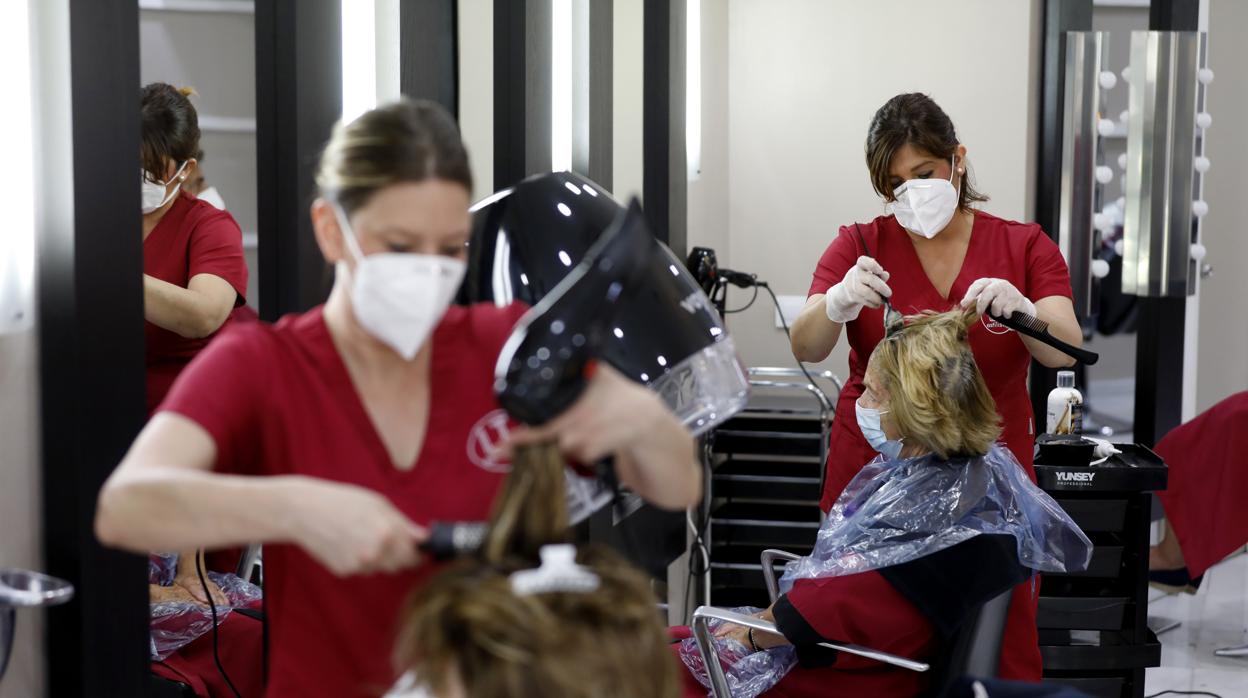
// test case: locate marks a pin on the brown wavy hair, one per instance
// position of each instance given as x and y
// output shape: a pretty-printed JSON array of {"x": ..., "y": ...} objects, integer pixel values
[
  {"x": 937, "y": 397},
  {"x": 467, "y": 627},
  {"x": 913, "y": 119}
]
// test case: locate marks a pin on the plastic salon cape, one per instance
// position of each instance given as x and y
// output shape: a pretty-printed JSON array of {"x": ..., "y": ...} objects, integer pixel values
[{"x": 898, "y": 511}]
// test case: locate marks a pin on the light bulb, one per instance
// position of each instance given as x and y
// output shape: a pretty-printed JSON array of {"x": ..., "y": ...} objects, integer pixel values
[
  {"x": 1119, "y": 247},
  {"x": 1204, "y": 119},
  {"x": 1126, "y": 74},
  {"x": 1205, "y": 76},
  {"x": 1105, "y": 127},
  {"x": 1108, "y": 80},
  {"x": 1103, "y": 221},
  {"x": 1100, "y": 268},
  {"x": 1104, "y": 174},
  {"x": 1123, "y": 116},
  {"x": 1198, "y": 251},
  {"x": 1200, "y": 208},
  {"x": 1122, "y": 161},
  {"x": 1201, "y": 164}
]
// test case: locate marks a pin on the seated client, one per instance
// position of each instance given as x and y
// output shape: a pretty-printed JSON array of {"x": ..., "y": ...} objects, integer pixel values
[{"x": 943, "y": 520}]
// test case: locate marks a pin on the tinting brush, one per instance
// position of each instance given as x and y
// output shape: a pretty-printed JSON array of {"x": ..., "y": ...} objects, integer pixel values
[
  {"x": 1039, "y": 329},
  {"x": 893, "y": 319}
]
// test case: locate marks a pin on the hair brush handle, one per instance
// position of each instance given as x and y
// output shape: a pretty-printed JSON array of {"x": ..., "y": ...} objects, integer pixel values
[{"x": 1039, "y": 330}]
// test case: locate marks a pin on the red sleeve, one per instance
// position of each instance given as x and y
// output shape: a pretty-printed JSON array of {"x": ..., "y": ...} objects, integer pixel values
[
  {"x": 217, "y": 248},
  {"x": 224, "y": 390},
  {"x": 1047, "y": 273},
  {"x": 836, "y": 260},
  {"x": 861, "y": 609}
]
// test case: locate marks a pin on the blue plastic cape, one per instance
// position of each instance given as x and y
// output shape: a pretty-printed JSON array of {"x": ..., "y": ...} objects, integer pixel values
[{"x": 895, "y": 511}]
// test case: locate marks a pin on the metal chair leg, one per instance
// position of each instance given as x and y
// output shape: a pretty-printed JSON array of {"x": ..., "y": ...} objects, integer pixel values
[{"x": 1240, "y": 651}]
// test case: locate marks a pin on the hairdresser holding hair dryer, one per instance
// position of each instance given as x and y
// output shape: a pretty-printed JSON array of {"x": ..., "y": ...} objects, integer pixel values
[
  {"x": 337, "y": 435},
  {"x": 934, "y": 252}
]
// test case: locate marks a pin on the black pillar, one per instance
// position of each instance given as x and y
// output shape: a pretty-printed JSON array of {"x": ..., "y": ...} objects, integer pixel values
[
  {"x": 1060, "y": 16},
  {"x": 91, "y": 357},
  {"x": 429, "y": 52},
  {"x": 522, "y": 89},
  {"x": 1162, "y": 321},
  {"x": 298, "y": 100},
  {"x": 664, "y": 178}
]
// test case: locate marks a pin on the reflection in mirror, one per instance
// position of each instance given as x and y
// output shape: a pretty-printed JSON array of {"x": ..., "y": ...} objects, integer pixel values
[{"x": 198, "y": 135}]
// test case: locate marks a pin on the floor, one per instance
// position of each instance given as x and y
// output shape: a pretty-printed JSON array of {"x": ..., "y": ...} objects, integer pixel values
[{"x": 1216, "y": 617}]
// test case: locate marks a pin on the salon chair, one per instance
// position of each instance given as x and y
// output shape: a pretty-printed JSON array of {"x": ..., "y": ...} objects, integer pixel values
[{"x": 974, "y": 651}]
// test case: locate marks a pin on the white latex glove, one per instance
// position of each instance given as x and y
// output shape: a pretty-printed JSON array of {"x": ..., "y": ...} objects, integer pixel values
[
  {"x": 864, "y": 285},
  {"x": 999, "y": 296}
]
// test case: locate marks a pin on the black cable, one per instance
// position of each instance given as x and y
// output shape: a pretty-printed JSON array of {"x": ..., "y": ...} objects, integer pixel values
[
  {"x": 1185, "y": 693},
  {"x": 785, "y": 323},
  {"x": 216, "y": 634},
  {"x": 745, "y": 307}
]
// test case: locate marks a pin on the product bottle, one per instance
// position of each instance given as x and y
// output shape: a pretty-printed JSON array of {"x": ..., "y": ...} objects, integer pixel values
[{"x": 1065, "y": 406}]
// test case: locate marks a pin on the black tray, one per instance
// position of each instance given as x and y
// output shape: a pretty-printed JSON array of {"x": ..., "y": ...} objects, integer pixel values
[
  {"x": 1081, "y": 612},
  {"x": 1136, "y": 469},
  {"x": 1102, "y": 657}
]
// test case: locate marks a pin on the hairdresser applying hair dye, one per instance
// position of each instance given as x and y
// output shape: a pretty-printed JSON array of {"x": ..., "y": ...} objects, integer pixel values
[
  {"x": 933, "y": 251},
  {"x": 337, "y": 435}
]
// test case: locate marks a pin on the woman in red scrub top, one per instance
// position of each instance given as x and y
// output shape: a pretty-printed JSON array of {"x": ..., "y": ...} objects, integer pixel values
[
  {"x": 194, "y": 273},
  {"x": 337, "y": 435},
  {"x": 932, "y": 253}
]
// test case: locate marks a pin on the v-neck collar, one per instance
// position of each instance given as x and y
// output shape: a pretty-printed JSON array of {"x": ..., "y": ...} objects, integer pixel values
[
  {"x": 358, "y": 411},
  {"x": 958, "y": 281},
  {"x": 168, "y": 219}
]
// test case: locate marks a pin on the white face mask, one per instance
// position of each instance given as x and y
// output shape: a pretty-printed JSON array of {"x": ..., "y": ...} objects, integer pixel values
[
  {"x": 400, "y": 297},
  {"x": 212, "y": 196},
  {"x": 154, "y": 195},
  {"x": 925, "y": 206}
]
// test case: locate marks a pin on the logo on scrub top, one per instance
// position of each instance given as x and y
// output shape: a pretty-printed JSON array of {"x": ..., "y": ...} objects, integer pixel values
[{"x": 485, "y": 442}]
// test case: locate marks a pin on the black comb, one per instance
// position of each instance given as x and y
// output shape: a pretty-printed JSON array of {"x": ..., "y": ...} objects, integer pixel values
[{"x": 1039, "y": 329}]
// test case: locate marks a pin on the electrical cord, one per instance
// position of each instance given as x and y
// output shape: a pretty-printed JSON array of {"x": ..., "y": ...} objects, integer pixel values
[
  {"x": 216, "y": 634},
  {"x": 1184, "y": 693},
  {"x": 745, "y": 307}
]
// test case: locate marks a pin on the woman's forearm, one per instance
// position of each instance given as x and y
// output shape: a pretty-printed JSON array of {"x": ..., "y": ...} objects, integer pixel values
[
  {"x": 169, "y": 509},
  {"x": 1063, "y": 325},
  {"x": 813, "y": 336},
  {"x": 184, "y": 311},
  {"x": 663, "y": 468}
]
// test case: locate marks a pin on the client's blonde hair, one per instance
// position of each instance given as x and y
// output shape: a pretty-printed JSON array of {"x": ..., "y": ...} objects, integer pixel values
[
  {"x": 937, "y": 396},
  {"x": 468, "y": 623}
]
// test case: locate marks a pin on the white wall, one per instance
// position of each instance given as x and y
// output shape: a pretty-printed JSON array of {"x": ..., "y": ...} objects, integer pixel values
[
  {"x": 20, "y": 541},
  {"x": 708, "y": 191},
  {"x": 804, "y": 78},
  {"x": 1223, "y": 349},
  {"x": 476, "y": 90},
  {"x": 626, "y": 98}
]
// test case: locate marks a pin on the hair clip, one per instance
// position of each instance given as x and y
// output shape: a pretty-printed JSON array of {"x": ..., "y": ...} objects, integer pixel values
[{"x": 559, "y": 572}]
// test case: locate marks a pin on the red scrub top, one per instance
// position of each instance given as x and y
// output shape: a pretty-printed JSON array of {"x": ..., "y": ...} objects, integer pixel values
[
  {"x": 277, "y": 400},
  {"x": 192, "y": 238},
  {"x": 1208, "y": 483},
  {"x": 1018, "y": 252}
]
